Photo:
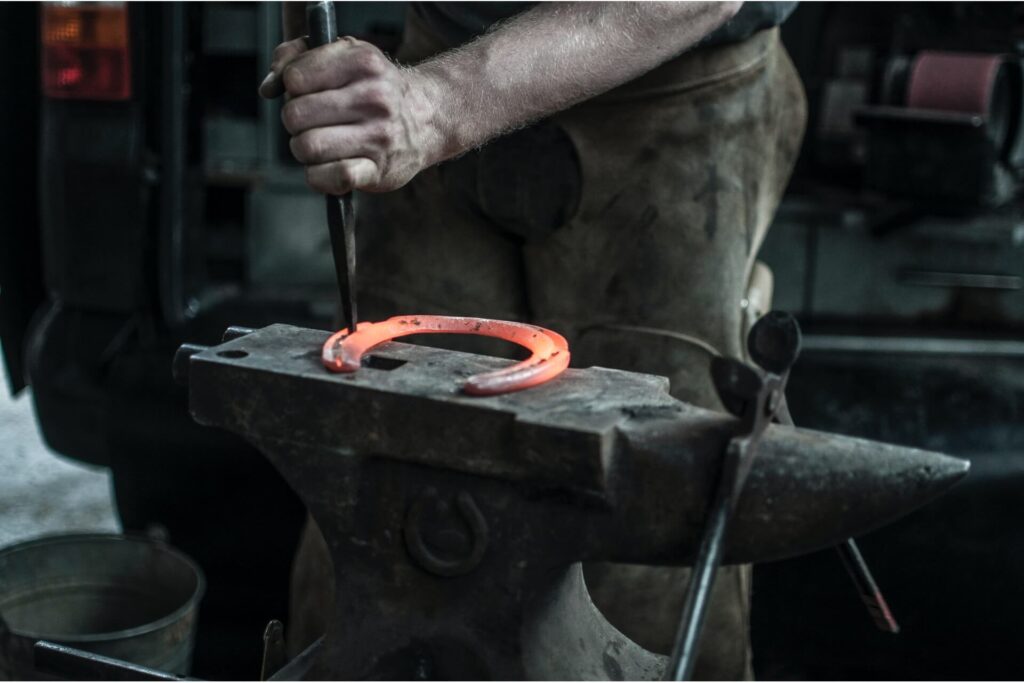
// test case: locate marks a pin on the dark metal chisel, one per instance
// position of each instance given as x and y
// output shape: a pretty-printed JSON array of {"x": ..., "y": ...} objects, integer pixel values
[{"x": 341, "y": 213}]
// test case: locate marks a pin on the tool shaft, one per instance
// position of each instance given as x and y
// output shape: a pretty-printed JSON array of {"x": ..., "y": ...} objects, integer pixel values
[
  {"x": 702, "y": 579},
  {"x": 321, "y": 22},
  {"x": 341, "y": 212},
  {"x": 341, "y": 226},
  {"x": 870, "y": 594}
]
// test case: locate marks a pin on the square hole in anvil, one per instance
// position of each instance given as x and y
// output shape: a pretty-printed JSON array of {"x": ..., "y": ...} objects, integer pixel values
[{"x": 382, "y": 362}]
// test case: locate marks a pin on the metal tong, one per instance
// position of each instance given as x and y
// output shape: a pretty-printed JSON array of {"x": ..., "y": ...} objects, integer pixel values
[{"x": 756, "y": 397}]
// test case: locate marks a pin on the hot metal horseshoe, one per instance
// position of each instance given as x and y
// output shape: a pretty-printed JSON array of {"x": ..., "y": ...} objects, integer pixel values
[{"x": 549, "y": 351}]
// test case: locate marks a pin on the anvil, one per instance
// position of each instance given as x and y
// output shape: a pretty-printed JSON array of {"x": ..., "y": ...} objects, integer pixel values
[{"x": 456, "y": 523}]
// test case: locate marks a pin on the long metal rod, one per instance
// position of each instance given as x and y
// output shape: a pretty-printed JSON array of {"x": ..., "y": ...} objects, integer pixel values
[
  {"x": 705, "y": 569},
  {"x": 913, "y": 345},
  {"x": 341, "y": 218},
  {"x": 870, "y": 594},
  {"x": 171, "y": 262},
  {"x": 73, "y": 664},
  {"x": 341, "y": 212}
]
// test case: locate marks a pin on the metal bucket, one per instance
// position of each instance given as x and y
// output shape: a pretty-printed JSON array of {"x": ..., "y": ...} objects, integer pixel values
[{"x": 124, "y": 597}]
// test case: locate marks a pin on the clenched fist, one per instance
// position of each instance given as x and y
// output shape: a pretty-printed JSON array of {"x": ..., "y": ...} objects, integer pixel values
[{"x": 357, "y": 120}]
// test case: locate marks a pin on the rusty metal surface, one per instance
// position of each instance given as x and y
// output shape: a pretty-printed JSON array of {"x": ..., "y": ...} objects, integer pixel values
[
  {"x": 561, "y": 433},
  {"x": 452, "y": 520}
]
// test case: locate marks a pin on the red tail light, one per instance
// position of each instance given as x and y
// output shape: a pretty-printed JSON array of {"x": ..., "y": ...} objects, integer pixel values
[{"x": 85, "y": 51}]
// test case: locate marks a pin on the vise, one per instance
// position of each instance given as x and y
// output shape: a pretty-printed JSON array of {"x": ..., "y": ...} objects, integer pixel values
[{"x": 456, "y": 524}]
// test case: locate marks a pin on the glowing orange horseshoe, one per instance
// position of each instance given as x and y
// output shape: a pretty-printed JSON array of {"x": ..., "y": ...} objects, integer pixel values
[{"x": 550, "y": 352}]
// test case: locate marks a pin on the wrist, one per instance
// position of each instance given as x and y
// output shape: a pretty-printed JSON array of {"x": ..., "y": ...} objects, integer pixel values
[{"x": 430, "y": 98}]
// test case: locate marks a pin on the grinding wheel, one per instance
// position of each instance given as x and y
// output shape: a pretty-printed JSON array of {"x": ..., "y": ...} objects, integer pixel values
[{"x": 986, "y": 85}]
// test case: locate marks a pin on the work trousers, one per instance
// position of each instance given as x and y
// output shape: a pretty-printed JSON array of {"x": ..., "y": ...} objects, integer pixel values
[{"x": 628, "y": 223}]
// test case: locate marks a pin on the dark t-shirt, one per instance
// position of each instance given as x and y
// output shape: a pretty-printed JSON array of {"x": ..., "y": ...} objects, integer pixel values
[{"x": 459, "y": 22}]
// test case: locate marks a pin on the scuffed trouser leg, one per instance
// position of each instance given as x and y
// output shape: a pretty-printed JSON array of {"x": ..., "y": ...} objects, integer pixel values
[{"x": 681, "y": 177}]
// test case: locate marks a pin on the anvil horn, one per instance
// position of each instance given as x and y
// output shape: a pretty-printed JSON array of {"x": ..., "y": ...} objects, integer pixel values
[
  {"x": 807, "y": 490},
  {"x": 825, "y": 488}
]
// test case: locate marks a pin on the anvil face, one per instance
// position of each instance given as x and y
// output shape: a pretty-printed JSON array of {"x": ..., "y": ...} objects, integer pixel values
[
  {"x": 405, "y": 403},
  {"x": 455, "y": 522}
]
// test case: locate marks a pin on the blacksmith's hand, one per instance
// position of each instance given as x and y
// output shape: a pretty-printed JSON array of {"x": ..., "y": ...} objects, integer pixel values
[{"x": 357, "y": 120}]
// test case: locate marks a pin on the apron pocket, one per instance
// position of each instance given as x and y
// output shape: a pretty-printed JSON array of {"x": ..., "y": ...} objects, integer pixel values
[{"x": 528, "y": 182}]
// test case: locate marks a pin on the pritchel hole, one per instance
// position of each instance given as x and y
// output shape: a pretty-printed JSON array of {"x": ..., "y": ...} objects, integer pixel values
[
  {"x": 233, "y": 354},
  {"x": 382, "y": 363}
]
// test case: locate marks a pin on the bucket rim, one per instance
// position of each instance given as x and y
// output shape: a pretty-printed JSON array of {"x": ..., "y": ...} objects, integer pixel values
[{"x": 162, "y": 546}]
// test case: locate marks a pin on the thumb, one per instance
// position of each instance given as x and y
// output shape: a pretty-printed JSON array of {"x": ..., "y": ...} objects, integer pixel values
[{"x": 284, "y": 54}]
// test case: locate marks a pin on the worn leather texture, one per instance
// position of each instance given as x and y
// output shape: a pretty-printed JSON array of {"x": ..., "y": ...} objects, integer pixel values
[{"x": 665, "y": 188}]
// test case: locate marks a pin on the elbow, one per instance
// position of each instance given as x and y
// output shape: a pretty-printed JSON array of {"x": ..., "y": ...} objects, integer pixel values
[
  {"x": 688, "y": 22},
  {"x": 707, "y": 17},
  {"x": 727, "y": 10}
]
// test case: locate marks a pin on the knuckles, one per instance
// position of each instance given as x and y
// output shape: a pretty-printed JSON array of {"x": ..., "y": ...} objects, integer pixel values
[
  {"x": 282, "y": 51},
  {"x": 283, "y": 54},
  {"x": 371, "y": 112},
  {"x": 343, "y": 178},
  {"x": 380, "y": 99},
  {"x": 381, "y": 136},
  {"x": 368, "y": 60},
  {"x": 292, "y": 116},
  {"x": 365, "y": 62},
  {"x": 307, "y": 147},
  {"x": 330, "y": 178},
  {"x": 294, "y": 79},
  {"x": 315, "y": 180}
]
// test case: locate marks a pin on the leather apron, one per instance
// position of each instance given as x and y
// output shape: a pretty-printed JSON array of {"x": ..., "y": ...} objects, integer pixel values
[{"x": 630, "y": 224}]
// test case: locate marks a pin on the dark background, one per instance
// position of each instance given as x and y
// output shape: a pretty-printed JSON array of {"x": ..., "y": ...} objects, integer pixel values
[{"x": 901, "y": 260}]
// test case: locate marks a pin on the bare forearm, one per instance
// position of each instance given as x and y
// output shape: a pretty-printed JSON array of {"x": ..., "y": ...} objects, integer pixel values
[
  {"x": 549, "y": 58},
  {"x": 358, "y": 120}
]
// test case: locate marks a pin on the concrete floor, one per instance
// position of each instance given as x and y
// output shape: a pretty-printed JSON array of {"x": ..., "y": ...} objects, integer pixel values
[{"x": 40, "y": 491}]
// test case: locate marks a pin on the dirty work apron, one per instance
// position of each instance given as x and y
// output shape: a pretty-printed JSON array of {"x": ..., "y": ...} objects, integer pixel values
[{"x": 630, "y": 224}]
